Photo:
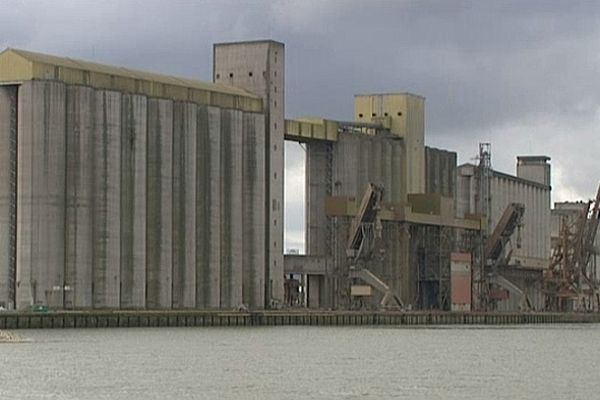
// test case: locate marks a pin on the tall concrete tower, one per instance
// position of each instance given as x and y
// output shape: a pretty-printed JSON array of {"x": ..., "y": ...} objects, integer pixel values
[{"x": 259, "y": 67}]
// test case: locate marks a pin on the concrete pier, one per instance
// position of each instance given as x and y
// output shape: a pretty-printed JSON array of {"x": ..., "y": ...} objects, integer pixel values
[{"x": 191, "y": 318}]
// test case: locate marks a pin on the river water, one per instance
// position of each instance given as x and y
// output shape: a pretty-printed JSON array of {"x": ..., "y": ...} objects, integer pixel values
[{"x": 525, "y": 362}]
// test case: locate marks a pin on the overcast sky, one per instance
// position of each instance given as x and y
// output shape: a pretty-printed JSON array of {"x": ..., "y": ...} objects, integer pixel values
[{"x": 523, "y": 75}]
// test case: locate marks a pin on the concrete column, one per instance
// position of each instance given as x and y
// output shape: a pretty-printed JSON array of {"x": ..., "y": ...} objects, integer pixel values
[
  {"x": 79, "y": 196},
  {"x": 316, "y": 192},
  {"x": 133, "y": 201},
  {"x": 107, "y": 198},
  {"x": 41, "y": 194},
  {"x": 184, "y": 205},
  {"x": 8, "y": 176},
  {"x": 253, "y": 213},
  {"x": 159, "y": 207},
  {"x": 397, "y": 172},
  {"x": 231, "y": 208},
  {"x": 386, "y": 167},
  {"x": 208, "y": 214}
]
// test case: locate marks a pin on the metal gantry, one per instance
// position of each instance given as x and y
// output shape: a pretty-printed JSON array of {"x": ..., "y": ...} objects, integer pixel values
[{"x": 571, "y": 283}]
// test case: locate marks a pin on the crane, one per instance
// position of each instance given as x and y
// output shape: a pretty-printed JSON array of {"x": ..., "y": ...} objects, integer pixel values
[{"x": 569, "y": 282}]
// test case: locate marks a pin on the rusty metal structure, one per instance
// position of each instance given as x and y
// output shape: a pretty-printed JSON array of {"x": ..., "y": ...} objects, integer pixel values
[{"x": 570, "y": 283}]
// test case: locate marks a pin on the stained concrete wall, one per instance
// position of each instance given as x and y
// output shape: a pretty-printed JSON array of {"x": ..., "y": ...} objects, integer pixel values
[
  {"x": 41, "y": 193},
  {"x": 8, "y": 136},
  {"x": 185, "y": 136},
  {"x": 107, "y": 201},
  {"x": 259, "y": 67},
  {"x": 505, "y": 189},
  {"x": 253, "y": 212},
  {"x": 318, "y": 187},
  {"x": 361, "y": 159},
  {"x": 440, "y": 172},
  {"x": 159, "y": 231},
  {"x": 133, "y": 202},
  {"x": 80, "y": 200},
  {"x": 208, "y": 276}
]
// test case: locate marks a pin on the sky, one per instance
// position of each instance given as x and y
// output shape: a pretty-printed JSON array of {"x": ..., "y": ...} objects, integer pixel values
[{"x": 522, "y": 75}]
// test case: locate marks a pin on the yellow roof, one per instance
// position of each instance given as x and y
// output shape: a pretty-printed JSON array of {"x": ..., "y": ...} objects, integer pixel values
[{"x": 20, "y": 65}]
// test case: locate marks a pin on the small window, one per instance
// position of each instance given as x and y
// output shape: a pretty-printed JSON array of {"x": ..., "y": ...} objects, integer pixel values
[
  {"x": 218, "y": 76},
  {"x": 275, "y": 104},
  {"x": 274, "y": 147},
  {"x": 274, "y": 175},
  {"x": 360, "y": 115},
  {"x": 399, "y": 114},
  {"x": 373, "y": 115},
  {"x": 231, "y": 74},
  {"x": 275, "y": 73},
  {"x": 275, "y": 125},
  {"x": 250, "y": 73},
  {"x": 385, "y": 114},
  {"x": 275, "y": 89},
  {"x": 274, "y": 222}
]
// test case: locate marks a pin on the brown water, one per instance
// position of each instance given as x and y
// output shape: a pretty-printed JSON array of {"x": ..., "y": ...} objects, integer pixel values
[{"x": 532, "y": 362}]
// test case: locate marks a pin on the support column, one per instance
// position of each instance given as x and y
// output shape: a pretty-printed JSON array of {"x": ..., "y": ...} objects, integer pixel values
[
  {"x": 253, "y": 215},
  {"x": 184, "y": 205},
  {"x": 79, "y": 197},
  {"x": 133, "y": 201},
  {"x": 107, "y": 197},
  {"x": 41, "y": 194},
  {"x": 208, "y": 214},
  {"x": 159, "y": 207},
  {"x": 8, "y": 199}
]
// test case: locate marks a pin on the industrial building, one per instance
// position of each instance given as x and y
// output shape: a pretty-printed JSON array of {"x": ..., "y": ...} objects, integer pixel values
[
  {"x": 126, "y": 189},
  {"x": 123, "y": 189}
]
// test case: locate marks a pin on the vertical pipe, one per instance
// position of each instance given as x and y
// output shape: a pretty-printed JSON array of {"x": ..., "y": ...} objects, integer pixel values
[{"x": 79, "y": 196}]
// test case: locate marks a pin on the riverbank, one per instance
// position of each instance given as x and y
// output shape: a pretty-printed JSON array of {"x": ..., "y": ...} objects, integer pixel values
[{"x": 127, "y": 319}]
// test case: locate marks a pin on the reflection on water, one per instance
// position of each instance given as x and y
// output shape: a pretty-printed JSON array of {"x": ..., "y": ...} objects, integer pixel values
[{"x": 534, "y": 362}]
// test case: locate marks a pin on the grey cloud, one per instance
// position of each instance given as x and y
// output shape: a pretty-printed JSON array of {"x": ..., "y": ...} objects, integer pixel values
[{"x": 523, "y": 75}]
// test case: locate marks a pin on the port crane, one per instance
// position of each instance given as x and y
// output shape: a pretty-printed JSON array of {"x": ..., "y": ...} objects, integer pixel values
[{"x": 570, "y": 283}]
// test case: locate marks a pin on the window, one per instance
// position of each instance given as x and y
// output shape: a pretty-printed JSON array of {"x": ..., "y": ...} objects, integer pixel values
[
  {"x": 250, "y": 73},
  {"x": 231, "y": 74},
  {"x": 218, "y": 76},
  {"x": 373, "y": 115},
  {"x": 399, "y": 114},
  {"x": 385, "y": 114},
  {"x": 360, "y": 115}
]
